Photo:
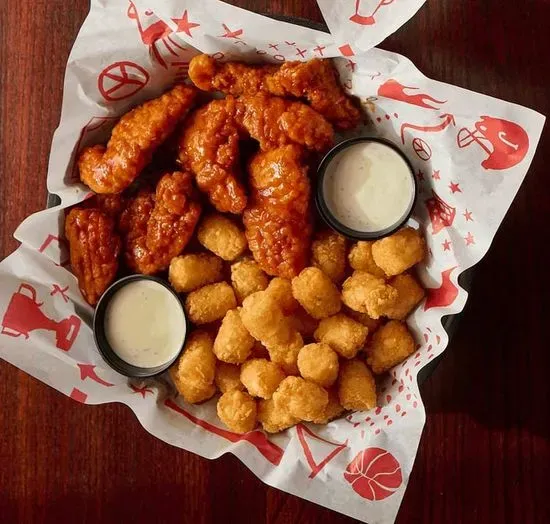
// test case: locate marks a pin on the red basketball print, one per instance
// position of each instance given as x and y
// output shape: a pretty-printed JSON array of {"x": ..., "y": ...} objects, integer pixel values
[
  {"x": 422, "y": 149},
  {"x": 374, "y": 474}
]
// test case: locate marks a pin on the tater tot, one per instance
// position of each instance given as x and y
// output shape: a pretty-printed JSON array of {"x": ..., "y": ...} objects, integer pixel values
[
  {"x": 328, "y": 253},
  {"x": 343, "y": 334},
  {"x": 400, "y": 251},
  {"x": 356, "y": 386},
  {"x": 389, "y": 346},
  {"x": 210, "y": 303},
  {"x": 286, "y": 355},
  {"x": 280, "y": 289},
  {"x": 237, "y": 410},
  {"x": 303, "y": 399},
  {"x": 333, "y": 409},
  {"x": 259, "y": 350},
  {"x": 360, "y": 258},
  {"x": 190, "y": 272},
  {"x": 246, "y": 278},
  {"x": 318, "y": 363},
  {"x": 274, "y": 418},
  {"x": 222, "y": 236},
  {"x": 363, "y": 318},
  {"x": 409, "y": 294},
  {"x": 261, "y": 377},
  {"x": 228, "y": 377},
  {"x": 193, "y": 372},
  {"x": 233, "y": 342},
  {"x": 366, "y": 293},
  {"x": 304, "y": 323},
  {"x": 316, "y": 293}
]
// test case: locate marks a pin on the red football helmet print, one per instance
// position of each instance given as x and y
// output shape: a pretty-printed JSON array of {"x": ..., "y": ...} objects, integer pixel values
[
  {"x": 442, "y": 215},
  {"x": 505, "y": 142}
]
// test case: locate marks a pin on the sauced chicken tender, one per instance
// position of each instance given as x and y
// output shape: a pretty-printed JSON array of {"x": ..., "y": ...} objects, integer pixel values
[
  {"x": 328, "y": 253},
  {"x": 280, "y": 289},
  {"x": 360, "y": 258},
  {"x": 228, "y": 377},
  {"x": 389, "y": 346},
  {"x": 222, "y": 236},
  {"x": 286, "y": 355},
  {"x": 409, "y": 294},
  {"x": 261, "y": 377},
  {"x": 247, "y": 277},
  {"x": 366, "y": 293},
  {"x": 318, "y": 363},
  {"x": 303, "y": 399},
  {"x": 316, "y": 293},
  {"x": 274, "y": 418},
  {"x": 356, "y": 386},
  {"x": 343, "y": 334},
  {"x": 210, "y": 303},
  {"x": 190, "y": 272},
  {"x": 233, "y": 343},
  {"x": 237, "y": 410},
  {"x": 400, "y": 251}
]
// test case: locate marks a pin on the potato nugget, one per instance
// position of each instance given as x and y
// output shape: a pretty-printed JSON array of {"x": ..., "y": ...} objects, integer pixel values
[
  {"x": 274, "y": 418},
  {"x": 304, "y": 323},
  {"x": 246, "y": 278},
  {"x": 233, "y": 342},
  {"x": 316, "y": 293},
  {"x": 237, "y": 410},
  {"x": 222, "y": 236},
  {"x": 363, "y": 318},
  {"x": 328, "y": 253},
  {"x": 261, "y": 377},
  {"x": 333, "y": 410},
  {"x": 366, "y": 293},
  {"x": 228, "y": 377},
  {"x": 409, "y": 294},
  {"x": 343, "y": 334},
  {"x": 193, "y": 372},
  {"x": 280, "y": 289},
  {"x": 318, "y": 363},
  {"x": 259, "y": 350},
  {"x": 400, "y": 251},
  {"x": 303, "y": 399},
  {"x": 356, "y": 386},
  {"x": 286, "y": 355},
  {"x": 210, "y": 303},
  {"x": 389, "y": 346},
  {"x": 190, "y": 272},
  {"x": 360, "y": 259}
]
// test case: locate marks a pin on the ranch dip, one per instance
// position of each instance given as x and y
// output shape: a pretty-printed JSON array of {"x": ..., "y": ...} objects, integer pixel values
[
  {"x": 145, "y": 324},
  {"x": 368, "y": 187}
]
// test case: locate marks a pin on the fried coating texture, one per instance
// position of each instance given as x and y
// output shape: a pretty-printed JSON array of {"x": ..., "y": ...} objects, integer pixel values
[
  {"x": 363, "y": 318},
  {"x": 193, "y": 372},
  {"x": 210, "y": 303},
  {"x": 228, "y": 377},
  {"x": 316, "y": 293},
  {"x": 237, "y": 410},
  {"x": 343, "y": 334},
  {"x": 356, "y": 386},
  {"x": 318, "y": 363},
  {"x": 389, "y": 346},
  {"x": 303, "y": 399},
  {"x": 328, "y": 253},
  {"x": 189, "y": 272},
  {"x": 409, "y": 295},
  {"x": 112, "y": 205},
  {"x": 259, "y": 350},
  {"x": 303, "y": 322},
  {"x": 360, "y": 259},
  {"x": 366, "y": 293},
  {"x": 275, "y": 418},
  {"x": 333, "y": 409},
  {"x": 247, "y": 277},
  {"x": 277, "y": 220},
  {"x": 400, "y": 251},
  {"x": 286, "y": 355},
  {"x": 261, "y": 377},
  {"x": 222, "y": 236},
  {"x": 133, "y": 140},
  {"x": 94, "y": 247},
  {"x": 233, "y": 342},
  {"x": 280, "y": 289}
]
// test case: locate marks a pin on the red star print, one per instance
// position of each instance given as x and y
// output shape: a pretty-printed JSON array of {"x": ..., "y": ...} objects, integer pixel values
[
  {"x": 436, "y": 176},
  {"x": 468, "y": 216},
  {"x": 446, "y": 245},
  {"x": 142, "y": 391},
  {"x": 351, "y": 65},
  {"x": 184, "y": 24},
  {"x": 319, "y": 49},
  {"x": 455, "y": 188},
  {"x": 420, "y": 176},
  {"x": 469, "y": 239}
]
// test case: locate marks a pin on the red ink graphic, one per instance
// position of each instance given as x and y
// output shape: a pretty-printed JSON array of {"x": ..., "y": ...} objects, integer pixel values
[
  {"x": 448, "y": 120},
  {"x": 142, "y": 391},
  {"x": 445, "y": 294},
  {"x": 270, "y": 451},
  {"x": 374, "y": 474},
  {"x": 420, "y": 176},
  {"x": 280, "y": 58},
  {"x": 303, "y": 433},
  {"x": 346, "y": 50},
  {"x": 436, "y": 175},
  {"x": 506, "y": 143},
  {"x": 88, "y": 371},
  {"x": 301, "y": 52},
  {"x": 275, "y": 47},
  {"x": 183, "y": 24},
  {"x": 78, "y": 395},
  {"x": 372, "y": 77},
  {"x": 468, "y": 216},
  {"x": 62, "y": 246},
  {"x": 394, "y": 90},
  {"x": 442, "y": 214},
  {"x": 422, "y": 149},
  {"x": 23, "y": 315},
  {"x": 121, "y": 80},
  {"x": 56, "y": 288},
  {"x": 319, "y": 49},
  {"x": 455, "y": 188},
  {"x": 367, "y": 19},
  {"x": 446, "y": 245},
  {"x": 231, "y": 34},
  {"x": 469, "y": 239},
  {"x": 290, "y": 43}
]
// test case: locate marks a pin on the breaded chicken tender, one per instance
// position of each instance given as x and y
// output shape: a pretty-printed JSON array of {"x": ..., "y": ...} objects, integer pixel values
[
  {"x": 246, "y": 278},
  {"x": 261, "y": 377},
  {"x": 193, "y": 372},
  {"x": 195, "y": 270},
  {"x": 303, "y": 399},
  {"x": 222, "y": 236},
  {"x": 318, "y": 363},
  {"x": 343, "y": 334},
  {"x": 237, "y": 410},
  {"x": 233, "y": 343},
  {"x": 333, "y": 410},
  {"x": 363, "y": 318},
  {"x": 409, "y": 294},
  {"x": 328, "y": 253},
  {"x": 356, "y": 386},
  {"x": 366, "y": 293},
  {"x": 360, "y": 259},
  {"x": 210, "y": 303},
  {"x": 280, "y": 289},
  {"x": 228, "y": 377},
  {"x": 389, "y": 346},
  {"x": 274, "y": 418},
  {"x": 400, "y": 251},
  {"x": 316, "y": 293},
  {"x": 286, "y": 355}
]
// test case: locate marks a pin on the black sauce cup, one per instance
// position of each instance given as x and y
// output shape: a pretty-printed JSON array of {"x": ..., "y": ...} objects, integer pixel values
[
  {"x": 100, "y": 338},
  {"x": 328, "y": 216}
]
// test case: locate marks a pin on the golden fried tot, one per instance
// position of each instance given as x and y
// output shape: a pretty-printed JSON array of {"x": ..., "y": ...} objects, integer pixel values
[
  {"x": 328, "y": 253},
  {"x": 237, "y": 410},
  {"x": 259, "y": 350},
  {"x": 356, "y": 386},
  {"x": 261, "y": 377},
  {"x": 193, "y": 372},
  {"x": 210, "y": 303},
  {"x": 409, "y": 295},
  {"x": 247, "y": 277},
  {"x": 366, "y": 293},
  {"x": 303, "y": 399},
  {"x": 318, "y": 363},
  {"x": 192, "y": 271},
  {"x": 286, "y": 355},
  {"x": 343, "y": 334},
  {"x": 316, "y": 293},
  {"x": 400, "y": 251},
  {"x": 222, "y": 236},
  {"x": 389, "y": 346},
  {"x": 228, "y": 377},
  {"x": 360, "y": 258},
  {"x": 363, "y": 318},
  {"x": 333, "y": 409},
  {"x": 304, "y": 323},
  {"x": 233, "y": 342},
  {"x": 280, "y": 289},
  {"x": 274, "y": 418}
]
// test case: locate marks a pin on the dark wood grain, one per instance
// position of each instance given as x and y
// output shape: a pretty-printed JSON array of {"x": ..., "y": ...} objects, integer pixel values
[{"x": 485, "y": 453}]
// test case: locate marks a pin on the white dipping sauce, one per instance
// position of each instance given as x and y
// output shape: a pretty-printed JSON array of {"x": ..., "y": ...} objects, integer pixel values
[
  {"x": 368, "y": 187},
  {"x": 145, "y": 324}
]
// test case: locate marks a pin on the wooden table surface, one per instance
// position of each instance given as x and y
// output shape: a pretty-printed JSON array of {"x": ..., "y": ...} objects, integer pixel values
[{"x": 485, "y": 453}]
